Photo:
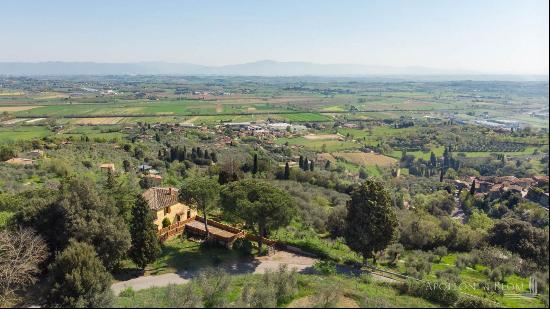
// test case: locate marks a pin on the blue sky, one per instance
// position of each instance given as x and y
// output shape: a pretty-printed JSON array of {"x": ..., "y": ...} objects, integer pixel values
[{"x": 498, "y": 36}]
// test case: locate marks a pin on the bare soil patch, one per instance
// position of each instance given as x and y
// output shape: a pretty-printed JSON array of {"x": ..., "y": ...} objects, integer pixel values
[
  {"x": 16, "y": 108},
  {"x": 310, "y": 302}
]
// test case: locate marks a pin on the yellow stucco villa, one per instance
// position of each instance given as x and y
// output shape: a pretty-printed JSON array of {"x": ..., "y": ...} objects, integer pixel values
[{"x": 164, "y": 202}]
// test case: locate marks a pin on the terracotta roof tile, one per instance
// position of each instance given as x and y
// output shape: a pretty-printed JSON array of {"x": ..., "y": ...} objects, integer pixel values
[{"x": 159, "y": 198}]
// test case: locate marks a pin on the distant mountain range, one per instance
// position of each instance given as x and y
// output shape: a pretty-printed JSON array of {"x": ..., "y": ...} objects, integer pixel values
[{"x": 259, "y": 68}]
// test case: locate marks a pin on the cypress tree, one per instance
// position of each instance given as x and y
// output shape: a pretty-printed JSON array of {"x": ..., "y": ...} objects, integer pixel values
[
  {"x": 255, "y": 166},
  {"x": 110, "y": 184},
  {"x": 287, "y": 171},
  {"x": 145, "y": 244},
  {"x": 473, "y": 188},
  {"x": 371, "y": 222},
  {"x": 305, "y": 166},
  {"x": 301, "y": 162}
]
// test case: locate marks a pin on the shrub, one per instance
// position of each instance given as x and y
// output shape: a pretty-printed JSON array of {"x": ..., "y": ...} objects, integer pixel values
[
  {"x": 451, "y": 275},
  {"x": 258, "y": 296},
  {"x": 366, "y": 278},
  {"x": 379, "y": 302},
  {"x": 439, "y": 292},
  {"x": 214, "y": 284},
  {"x": 284, "y": 282},
  {"x": 467, "y": 301},
  {"x": 166, "y": 222},
  {"x": 243, "y": 245},
  {"x": 418, "y": 264},
  {"x": 328, "y": 296},
  {"x": 128, "y": 292},
  {"x": 325, "y": 267},
  {"x": 491, "y": 287},
  {"x": 183, "y": 296}
]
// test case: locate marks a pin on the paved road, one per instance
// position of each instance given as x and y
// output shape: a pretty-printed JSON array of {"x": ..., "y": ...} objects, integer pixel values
[{"x": 258, "y": 265}]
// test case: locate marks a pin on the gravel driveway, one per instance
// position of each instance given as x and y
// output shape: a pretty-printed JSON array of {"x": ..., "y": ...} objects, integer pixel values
[{"x": 258, "y": 265}]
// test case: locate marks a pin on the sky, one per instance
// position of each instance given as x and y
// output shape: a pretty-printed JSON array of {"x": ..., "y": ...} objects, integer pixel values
[{"x": 486, "y": 36}]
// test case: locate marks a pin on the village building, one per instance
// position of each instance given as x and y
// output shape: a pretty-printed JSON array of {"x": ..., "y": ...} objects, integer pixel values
[
  {"x": 156, "y": 180},
  {"x": 107, "y": 167},
  {"x": 165, "y": 204}
]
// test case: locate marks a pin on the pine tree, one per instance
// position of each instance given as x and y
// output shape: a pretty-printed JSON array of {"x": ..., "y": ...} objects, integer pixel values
[{"x": 145, "y": 244}]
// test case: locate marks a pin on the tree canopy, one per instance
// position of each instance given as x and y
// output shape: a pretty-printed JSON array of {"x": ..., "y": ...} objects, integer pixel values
[
  {"x": 371, "y": 221},
  {"x": 200, "y": 192},
  {"x": 79, "y": 279},
  {"x": 262, "y": 206},
  {"x": 145, "y": 244}
]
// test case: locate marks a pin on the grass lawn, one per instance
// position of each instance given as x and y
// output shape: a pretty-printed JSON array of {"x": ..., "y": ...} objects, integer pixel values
[
  {"x": 181, "y": 254},
  {"x": 319, "y": 145},
  {"x": 23, "y": 133}
]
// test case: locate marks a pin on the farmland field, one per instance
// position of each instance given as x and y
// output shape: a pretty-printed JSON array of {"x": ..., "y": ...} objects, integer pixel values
[{"x": 366, "y": 159}]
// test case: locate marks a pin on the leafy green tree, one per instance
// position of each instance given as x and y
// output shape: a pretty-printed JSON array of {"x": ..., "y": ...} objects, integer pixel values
[
  {"x": 522, "y": 238},
  {"x": 440, "y": 252},
  {"x": 200, "y": 192},
  {"x": 371, "y": 221},
  {"x": 145, "y": 244},
  {"x": 394, "y": 251},
  {"x": 262, "y": 206},
  {"x": 91, "y": 218},
  {"x": 480, "y": 220},
  {"x": 79, "y": 279}
]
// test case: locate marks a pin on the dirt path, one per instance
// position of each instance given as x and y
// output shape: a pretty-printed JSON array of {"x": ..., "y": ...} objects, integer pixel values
[{"x": 259, "y": 265}]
